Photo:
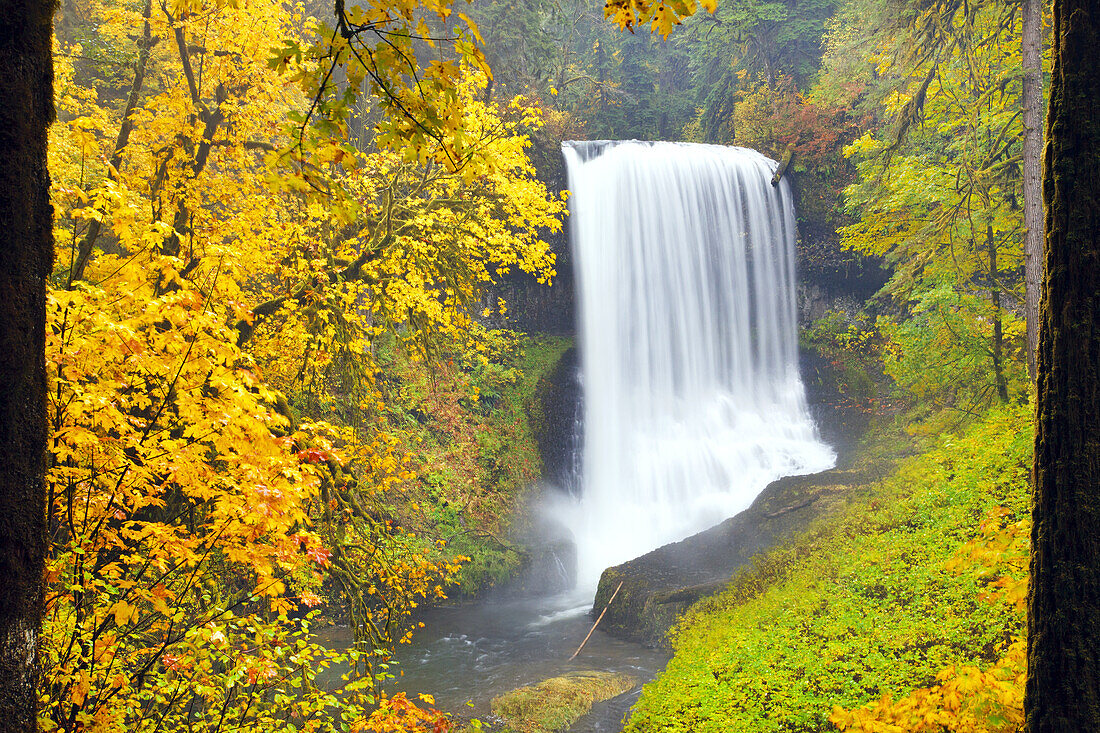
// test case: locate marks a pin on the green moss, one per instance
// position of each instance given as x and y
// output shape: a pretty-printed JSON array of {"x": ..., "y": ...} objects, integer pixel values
[
  {"x": 556, "y": 703},
  {"x": 858, "y": 608},
  {"x": 476, "y": 455}
]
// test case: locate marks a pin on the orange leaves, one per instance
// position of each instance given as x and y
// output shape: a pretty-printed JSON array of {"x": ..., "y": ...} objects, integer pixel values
[
  {"x": 124, "y": 613},
  {"x": 966, "y": 700},
  {"x": 312, "y": 455},
  {"x": 80, "y": 687},
  {"x": 319, "y": 555},
  {"x": 398, "y": 714},
  {"x": 159, "y": 598},
  {"x": 661, "y": 15}
]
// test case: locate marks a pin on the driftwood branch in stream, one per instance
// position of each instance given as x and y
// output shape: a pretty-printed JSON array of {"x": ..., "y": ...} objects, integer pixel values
[
  {"x": 783, "y": 163},
  {"x": 598, "y": 620}
]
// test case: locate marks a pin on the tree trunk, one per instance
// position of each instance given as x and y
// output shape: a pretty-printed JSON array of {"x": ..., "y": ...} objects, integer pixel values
[
  {"x": 998, "y": 329},
  {"x": 1063, "y": 686},
  {"x": 145, "y": 45},
  {"x": 1032, "y": 40},
  {"x": 26, "y": 259},
  {"x": 784, "y": 162}
]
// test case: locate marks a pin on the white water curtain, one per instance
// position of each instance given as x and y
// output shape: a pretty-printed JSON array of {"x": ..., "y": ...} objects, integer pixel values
[{"x": 685, "y": 258}]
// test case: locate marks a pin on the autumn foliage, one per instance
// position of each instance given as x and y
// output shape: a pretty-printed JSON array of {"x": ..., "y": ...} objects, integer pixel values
[{"x": 221, "y": 460}]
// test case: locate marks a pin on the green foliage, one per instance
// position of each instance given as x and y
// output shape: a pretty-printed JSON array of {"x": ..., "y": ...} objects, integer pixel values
[
  {"x": 853, "y": 350},
  {"x": 519, "y": 43},
  {"x": 749, "y": 43},
  {"x": 857, "y": 608},
  {"x": 471, "y": 436},
  {"x": 939, "y": 191},
  {"x": 941, "y": 353}
]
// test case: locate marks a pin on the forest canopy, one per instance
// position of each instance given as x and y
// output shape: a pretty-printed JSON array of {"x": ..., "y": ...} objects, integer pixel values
[{"x": 239, "y": 280}]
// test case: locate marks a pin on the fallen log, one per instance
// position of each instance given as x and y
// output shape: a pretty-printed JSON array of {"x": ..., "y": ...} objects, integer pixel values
[
  {"x": 783, "y": 163},
  {"x": 598, "y": 620}
]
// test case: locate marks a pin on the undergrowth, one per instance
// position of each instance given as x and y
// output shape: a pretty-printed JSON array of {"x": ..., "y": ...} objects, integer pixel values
[
  {"x": 889, "y": 599},
  {"x": 476, "y": 447}
]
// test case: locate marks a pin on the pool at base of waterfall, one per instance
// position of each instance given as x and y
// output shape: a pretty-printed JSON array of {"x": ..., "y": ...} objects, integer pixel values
[{"x": 474, "y": 652}]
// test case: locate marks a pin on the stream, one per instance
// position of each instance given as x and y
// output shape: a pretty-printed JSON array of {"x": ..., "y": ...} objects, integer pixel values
[{"x": 472, "y": 652}]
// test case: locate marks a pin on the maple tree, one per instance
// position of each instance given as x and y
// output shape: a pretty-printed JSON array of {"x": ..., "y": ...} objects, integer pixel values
[
  {"x": 222, "y": 284},
  {"x": 939, "y": 200}
]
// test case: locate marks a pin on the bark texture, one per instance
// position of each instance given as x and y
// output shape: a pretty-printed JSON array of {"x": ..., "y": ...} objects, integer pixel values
[
  {"x": 1032, "y": 44},
  {"x": 26, "y": 258},
  {"x": 1063, "y": 687}
]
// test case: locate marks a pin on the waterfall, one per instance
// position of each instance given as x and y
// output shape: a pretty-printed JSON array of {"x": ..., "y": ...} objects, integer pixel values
[{"x": 684, "y": 256}]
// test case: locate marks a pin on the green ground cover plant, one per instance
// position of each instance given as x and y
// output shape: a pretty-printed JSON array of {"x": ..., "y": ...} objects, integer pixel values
[{"x": 869, "y": 606}]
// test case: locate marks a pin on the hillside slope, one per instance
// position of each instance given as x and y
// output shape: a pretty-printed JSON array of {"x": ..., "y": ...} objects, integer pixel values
[{"x": 923, "y": 577}]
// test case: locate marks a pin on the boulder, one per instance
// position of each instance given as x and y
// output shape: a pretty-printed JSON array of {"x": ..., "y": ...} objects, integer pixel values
[{"x": 660, "y": 585}]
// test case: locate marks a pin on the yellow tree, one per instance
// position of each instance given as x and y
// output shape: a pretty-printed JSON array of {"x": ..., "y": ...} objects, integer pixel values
[
  {"x": 939, "y": 200},
  {"x": 193, "y": 513}
]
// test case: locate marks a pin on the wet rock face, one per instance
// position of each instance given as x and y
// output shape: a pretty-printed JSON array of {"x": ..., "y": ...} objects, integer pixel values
[
  {"x": 841, "y": 416},
  {"x": 829, "y": 276},
  {"x": 549, "y": 549},
  {"x": 556, "y": 417},
  {"x": 553, "y": 568},
  {"x": 551, "y": 565},
  {"x": 659, "y": 586},
  {"x": 549, "y": 558},
  {"x": 534, "y": 307}
]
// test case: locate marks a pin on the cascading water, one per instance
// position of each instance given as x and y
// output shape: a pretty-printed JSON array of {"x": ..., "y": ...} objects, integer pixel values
[{"x": 684, "y": 257}]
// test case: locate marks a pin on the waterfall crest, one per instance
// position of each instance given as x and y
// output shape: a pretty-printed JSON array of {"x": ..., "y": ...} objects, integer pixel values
[{"x": 684, "y": 256}]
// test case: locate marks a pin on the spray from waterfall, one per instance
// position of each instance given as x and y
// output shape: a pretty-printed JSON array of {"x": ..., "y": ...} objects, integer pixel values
[{"x": 685, "y": 258}]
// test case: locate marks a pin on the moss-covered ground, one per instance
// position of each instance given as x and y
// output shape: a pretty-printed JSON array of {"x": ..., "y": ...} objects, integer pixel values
[
  {"x": 868, "y": 605},
  {"x": 555, "y": 704}
]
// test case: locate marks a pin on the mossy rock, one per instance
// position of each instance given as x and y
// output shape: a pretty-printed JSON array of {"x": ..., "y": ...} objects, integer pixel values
[
  {"x": 555, "y": 704},
  {"x": 551, "y": 411},
  {"x": 660, "y": 585}
]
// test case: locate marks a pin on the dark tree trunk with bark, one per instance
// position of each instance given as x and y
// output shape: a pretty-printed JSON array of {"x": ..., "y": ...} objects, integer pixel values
[
  {"x": 26, "y": 258},
  {"x": 1032, "y": 39},
  {"x": 1063, "y": 687}
]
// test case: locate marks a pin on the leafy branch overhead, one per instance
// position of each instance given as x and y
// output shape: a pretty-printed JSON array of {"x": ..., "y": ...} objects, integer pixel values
[
  {"x": 227, "y": 349},
  {"x": 660, "y": 15},
  {"x": 397, "y": 63}
]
